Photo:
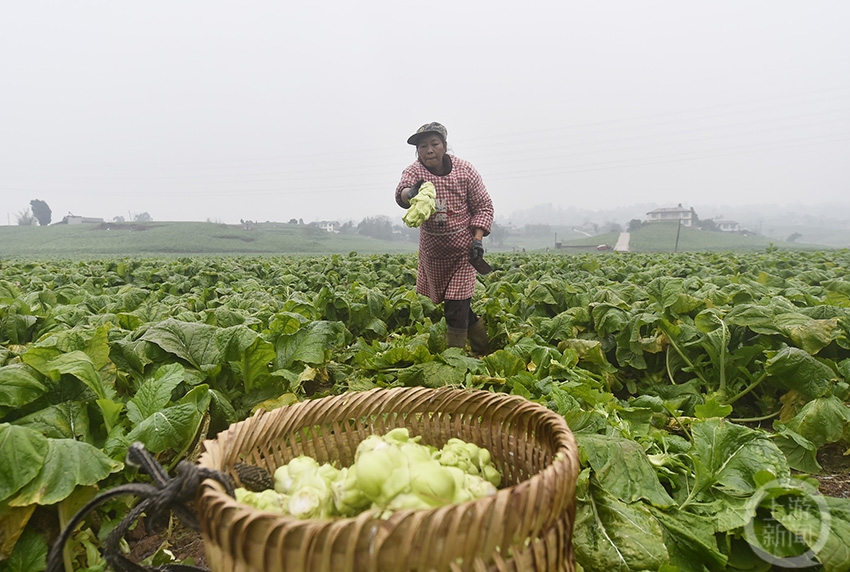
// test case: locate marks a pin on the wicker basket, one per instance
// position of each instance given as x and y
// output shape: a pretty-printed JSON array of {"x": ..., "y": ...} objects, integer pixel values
[{"x": 527, "y": 525}]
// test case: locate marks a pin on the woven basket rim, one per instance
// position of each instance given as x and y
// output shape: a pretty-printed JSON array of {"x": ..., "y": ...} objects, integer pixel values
[
  {"x": 526, "y": 525},
  {"x": 561, "y": 462}
]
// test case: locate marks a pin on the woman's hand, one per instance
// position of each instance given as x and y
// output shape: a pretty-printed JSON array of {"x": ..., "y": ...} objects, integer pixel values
[
  {"x": 476, "y": 251},
  {"x": 410, "y": 192}
]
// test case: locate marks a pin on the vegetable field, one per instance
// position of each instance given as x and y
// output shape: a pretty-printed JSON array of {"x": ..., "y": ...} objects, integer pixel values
[{"x": 700, "y": 387}]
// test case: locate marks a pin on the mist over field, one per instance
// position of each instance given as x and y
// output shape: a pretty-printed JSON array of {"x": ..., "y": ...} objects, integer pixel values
[
  {"x": 827, "y": 224},
  {"x": 198, "y": 111}
]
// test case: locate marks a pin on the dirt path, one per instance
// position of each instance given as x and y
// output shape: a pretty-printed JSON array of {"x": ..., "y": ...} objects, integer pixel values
[{"x": 622, "y": 242}]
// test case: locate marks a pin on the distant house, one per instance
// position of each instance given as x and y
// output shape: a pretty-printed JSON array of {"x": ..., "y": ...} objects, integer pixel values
[
  {"x": 327, "y": 225},
  {"x": 728, "y": 225},
  {"x": 587, "y": 229},
  {"x": 73, "y": 219},
  {"x": 677, "y": 214}
]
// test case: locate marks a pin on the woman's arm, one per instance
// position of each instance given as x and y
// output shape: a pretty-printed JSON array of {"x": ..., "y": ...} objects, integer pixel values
[
  {"x": 402, "y": 191},
  {"x": 480, "y": 205}
]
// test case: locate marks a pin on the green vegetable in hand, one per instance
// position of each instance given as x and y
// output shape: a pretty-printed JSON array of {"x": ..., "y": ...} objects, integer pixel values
[{"x": 422, "y": 206}]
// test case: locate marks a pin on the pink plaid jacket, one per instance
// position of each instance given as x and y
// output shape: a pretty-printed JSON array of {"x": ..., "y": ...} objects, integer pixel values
[{"x": 444, "y": 271}]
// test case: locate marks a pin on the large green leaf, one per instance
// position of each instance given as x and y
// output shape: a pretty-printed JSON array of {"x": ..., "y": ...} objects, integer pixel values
[
  {"x": 170, "y": 428},
  {"x": 728, "y": 456},
  {"x": 29, "y": 555},
  {"x": 253, "y": 363},
  {"x": 622, "y": 469},
  {"x": 609, "y": 319},
  {"x": 640, "y": 336},
  {"x": 810, "y": 335},
  {"x": 67, "y": 463},
  {"x": 615, "y": 536},
  {"x": 8, "y": 292},
  {"x": 821, "y": 421},
  {"x": 67, "y": 420},
  {"x": 23, "y": 451},
  {"x": 835, "y": 552},
  {"x": 236, "y": 339},
  {"x": 131, "y": 355},
  {"x": 502, "y": 363},
  {"x": 726, "y": 512},
  {"x": 92, "y": 341},
  {"x": 560, "y": 327},
  {"x": 287, "y": 323},
  {"x": 16, "y": 323},
  {"x": 393, "y": 357},
  {"x": 309, "y": 344},
  {"x": 76, "y": 363},
  {"x": 793, "y": 368},
  {"x": 690, "y": 541},
  {"x": 800, "y": 452},
  {"x": 760, "y": 319},
  {"x": 589, "y": 351},
  {"x": 194, "y": 342},
  {"x": 18, "y": 386},
  {"x": 431, "y": 374},
  {"x": 155, "y": 393},
  {"x": 714, "y": 339},
  {"x": 798, "y": 527},
  {"x": 95, "y": 344},
  {"x": 664, "y": 292}
]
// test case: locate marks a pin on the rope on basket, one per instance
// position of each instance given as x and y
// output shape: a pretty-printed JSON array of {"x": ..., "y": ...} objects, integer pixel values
[{"x": 166, "y": 494}]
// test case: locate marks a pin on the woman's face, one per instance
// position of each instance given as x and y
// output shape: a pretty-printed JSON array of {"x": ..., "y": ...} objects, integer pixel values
[{"x": 431, "y": 151}]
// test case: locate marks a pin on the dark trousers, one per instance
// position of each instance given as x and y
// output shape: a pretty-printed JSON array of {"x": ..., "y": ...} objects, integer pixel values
[{"x": 459, "y": 314}]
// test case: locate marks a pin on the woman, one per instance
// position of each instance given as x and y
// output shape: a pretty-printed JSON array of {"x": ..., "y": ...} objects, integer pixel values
[{"x": 452, "y": 235}]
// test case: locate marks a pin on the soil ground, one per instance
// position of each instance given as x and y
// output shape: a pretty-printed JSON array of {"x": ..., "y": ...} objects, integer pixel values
[
  {"x": 835, "y": 478},
  {"x": 183, "y": 542}
]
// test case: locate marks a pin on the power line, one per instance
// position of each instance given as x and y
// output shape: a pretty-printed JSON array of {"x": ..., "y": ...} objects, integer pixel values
[
  {"x": 537, "y": 134},
  {"x": 302, "y": 173},
  {"x": 490, "y": 179},
  {"x": 667, "y": 159}
]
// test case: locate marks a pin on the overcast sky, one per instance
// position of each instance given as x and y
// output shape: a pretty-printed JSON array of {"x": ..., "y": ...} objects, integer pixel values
[{"x": 272, "y": 110}]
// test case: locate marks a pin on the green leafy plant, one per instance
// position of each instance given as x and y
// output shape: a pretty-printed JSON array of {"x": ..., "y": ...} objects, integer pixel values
[{"x": 690, "y": 380}]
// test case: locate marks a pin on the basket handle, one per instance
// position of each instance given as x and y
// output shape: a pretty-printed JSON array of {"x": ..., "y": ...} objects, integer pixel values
[{"x": 165, "y": 495}]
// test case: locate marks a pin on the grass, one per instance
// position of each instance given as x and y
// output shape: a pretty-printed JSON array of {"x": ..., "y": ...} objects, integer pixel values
[
  {"x": 206, "y": 238},
  {"x": 181, "y": 238},
  {"x": 537, "y": 242},
  {"x": 826, "y": 235},
  {"x": 661, "y": 237}
]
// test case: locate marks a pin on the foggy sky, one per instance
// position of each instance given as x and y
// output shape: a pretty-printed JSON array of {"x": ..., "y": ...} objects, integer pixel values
[{"x": 262, "y": 110}]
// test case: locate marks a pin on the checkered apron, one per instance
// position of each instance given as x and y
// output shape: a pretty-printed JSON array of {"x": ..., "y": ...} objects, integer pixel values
[{"x": 444, "y": 271}]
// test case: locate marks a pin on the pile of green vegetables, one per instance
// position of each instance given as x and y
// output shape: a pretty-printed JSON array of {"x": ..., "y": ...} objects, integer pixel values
[{"x": 390, "y": 472}]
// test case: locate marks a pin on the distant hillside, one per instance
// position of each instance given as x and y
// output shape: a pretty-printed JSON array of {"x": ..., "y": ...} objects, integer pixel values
[
  {"x": 187, "y": 238},
  {"x": 661, "y": 237},
  {"x": 809, "y": 224},
  {"x": 181, "y": 238}
]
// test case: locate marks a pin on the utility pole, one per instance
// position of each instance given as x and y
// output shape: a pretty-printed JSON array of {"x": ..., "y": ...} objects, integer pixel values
[{"x": 678, "y": 230}]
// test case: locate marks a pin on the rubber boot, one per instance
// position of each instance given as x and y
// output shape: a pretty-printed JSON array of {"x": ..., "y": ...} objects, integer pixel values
[
  {"x": 478, "y": 342},
  {"x": 455, "y": 337}
]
